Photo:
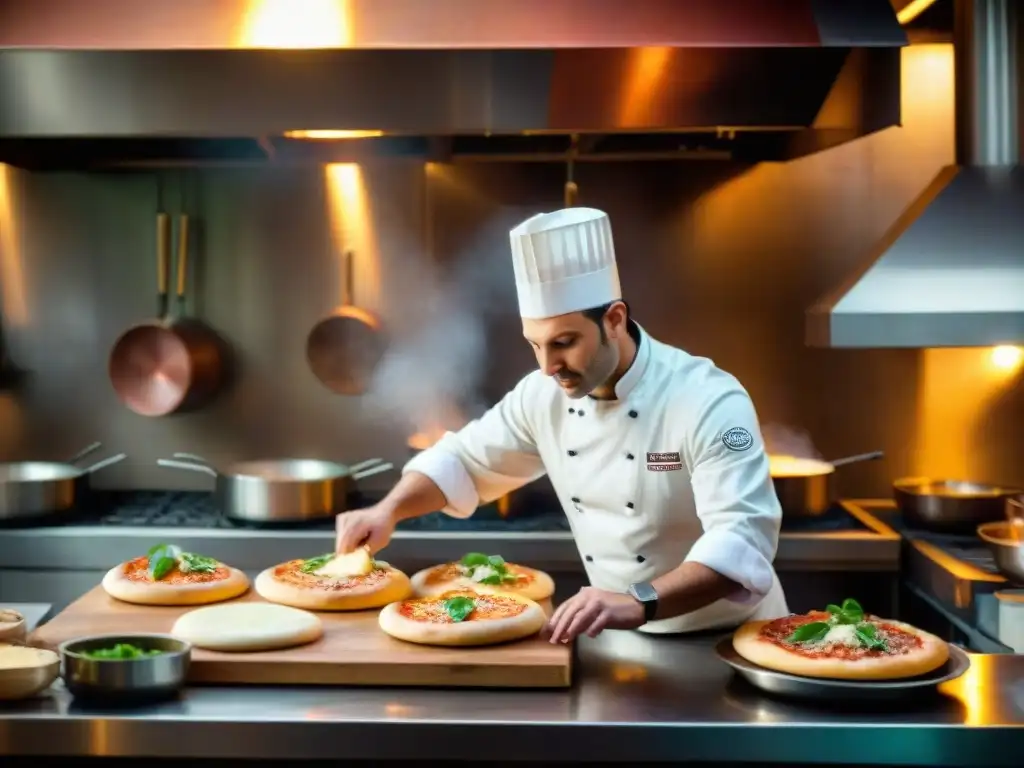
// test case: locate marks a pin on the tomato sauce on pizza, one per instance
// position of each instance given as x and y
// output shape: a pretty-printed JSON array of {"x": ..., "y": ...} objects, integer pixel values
[
  {"x": 453, "y": 571},
  {"x": 292, "y": 573},
  {"x": 137, "y": 570},
  {"x": 433, "y": 610},
  {"x": 896, "y": 641}
]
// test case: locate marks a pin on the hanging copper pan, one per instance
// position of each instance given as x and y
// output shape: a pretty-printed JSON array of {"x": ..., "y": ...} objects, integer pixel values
[
  {"x": 344, "y": 348},
  {"x": 171, "y": 364}
]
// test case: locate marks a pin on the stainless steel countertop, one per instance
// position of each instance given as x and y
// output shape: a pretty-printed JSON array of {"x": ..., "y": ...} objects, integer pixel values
[{"x": 636, "y": 698}]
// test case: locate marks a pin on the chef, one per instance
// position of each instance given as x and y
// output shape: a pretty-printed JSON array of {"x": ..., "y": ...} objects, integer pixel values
[{"x": 656, "y": 455}]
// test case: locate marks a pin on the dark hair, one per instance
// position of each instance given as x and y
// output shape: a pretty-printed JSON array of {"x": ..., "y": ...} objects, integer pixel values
[{"x": 596, "y": 315}]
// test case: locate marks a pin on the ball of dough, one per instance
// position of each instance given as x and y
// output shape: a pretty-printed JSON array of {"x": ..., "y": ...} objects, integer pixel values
[{"x": 248, "y": 627}]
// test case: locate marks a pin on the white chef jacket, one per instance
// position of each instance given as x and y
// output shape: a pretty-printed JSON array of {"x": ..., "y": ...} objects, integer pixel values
[{"x": 673, "y": 469}]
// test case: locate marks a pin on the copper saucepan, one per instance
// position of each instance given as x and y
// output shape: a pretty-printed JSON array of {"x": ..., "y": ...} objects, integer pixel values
[
  {"x": 168, "y": 365},
  {"x": 344, "y": 348},
  {"x": 806, "y": 487}
]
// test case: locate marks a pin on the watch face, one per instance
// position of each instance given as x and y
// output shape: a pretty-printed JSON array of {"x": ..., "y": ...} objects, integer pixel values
[{"x": 643, "y": 592}]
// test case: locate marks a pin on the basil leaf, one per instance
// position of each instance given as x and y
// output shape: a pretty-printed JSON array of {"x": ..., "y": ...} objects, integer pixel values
[
  {"x": 193, "y": 563},
  {"x": 474, "y": 558},
  {"x": 316, "y": 563},
  {"x": 809, "y": 633},
  {"x": 493, "y": 579},
  {"x": 161, "y": 566},
  {"x": 164, "y": 550},
  {"x": 852, "y": 612},
  {"x": 868, "y": 636},
  {"x": 459, "y": 608},
  {"x": 834, "y": 609},
  {"x": 496, "y": 561},
  {"x": 867, "y": 629},
  {"x": 162, "y": 560}
]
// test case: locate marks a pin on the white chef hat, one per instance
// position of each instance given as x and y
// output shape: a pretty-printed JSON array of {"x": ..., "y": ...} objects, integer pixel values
[{"x": 564, "y": 262}]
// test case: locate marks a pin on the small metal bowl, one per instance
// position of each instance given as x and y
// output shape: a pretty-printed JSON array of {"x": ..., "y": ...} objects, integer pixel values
[
  {"x": 23, "y": 682},
  {"x": 150, "y": 677}
]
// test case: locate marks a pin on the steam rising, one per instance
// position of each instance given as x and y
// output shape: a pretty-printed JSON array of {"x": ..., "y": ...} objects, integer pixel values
[
  {"x": 431, "y": 375},
  {"x": 780, "y": 440}
]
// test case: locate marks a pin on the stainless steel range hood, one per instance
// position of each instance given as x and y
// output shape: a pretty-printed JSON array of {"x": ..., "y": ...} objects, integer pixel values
[
  {"x": 950, "y": 272},
  {"x": 798, "y": 75}
]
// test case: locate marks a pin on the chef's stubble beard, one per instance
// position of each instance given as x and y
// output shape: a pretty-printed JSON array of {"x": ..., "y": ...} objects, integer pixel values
[{"x": 599, "y": 371}]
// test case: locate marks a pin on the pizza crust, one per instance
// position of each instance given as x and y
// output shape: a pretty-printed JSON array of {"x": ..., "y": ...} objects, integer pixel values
[
  {"x": 464, "y": 633},
  {"x": 357, "y": 598},
  {"x": 248, "y": 627},
  {"x": 541, "y": 587},
  {"x": 120, "y": 587},
  {"x": 933, "y": 653}
]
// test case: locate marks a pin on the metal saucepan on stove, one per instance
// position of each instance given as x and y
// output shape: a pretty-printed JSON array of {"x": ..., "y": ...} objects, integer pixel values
[
  {"x": 281, "y": 490},
  {"x": 1005, "y": 539},
  {"x": 949, "y": 506},
  {"x": 35, "y": 488},
  {"x": 807, "y": 487}
]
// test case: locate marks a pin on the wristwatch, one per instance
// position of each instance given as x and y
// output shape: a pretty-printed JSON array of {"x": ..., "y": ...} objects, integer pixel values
[{"x": 647, "y": 596}]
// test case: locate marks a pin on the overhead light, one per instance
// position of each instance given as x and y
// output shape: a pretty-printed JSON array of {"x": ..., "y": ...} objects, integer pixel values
[
  {"x": 326, "y": 135},
  {"x": 913, "y": 9}
]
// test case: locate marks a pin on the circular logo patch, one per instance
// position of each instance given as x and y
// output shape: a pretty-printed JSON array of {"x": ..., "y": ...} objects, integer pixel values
[{"x": 737, "y": 439}]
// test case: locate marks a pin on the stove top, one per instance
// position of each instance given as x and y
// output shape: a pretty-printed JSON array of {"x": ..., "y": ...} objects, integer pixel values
[
  {"x": 195, "y": 509},
  {"x": 837, "y": 519},
  {"x": 966, "y": 549},
  {"x": 956, "y": 569}
]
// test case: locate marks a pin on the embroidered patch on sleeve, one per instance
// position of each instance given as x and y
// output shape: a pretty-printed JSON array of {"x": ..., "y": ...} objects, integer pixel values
[{"x": 737, "y": 439}]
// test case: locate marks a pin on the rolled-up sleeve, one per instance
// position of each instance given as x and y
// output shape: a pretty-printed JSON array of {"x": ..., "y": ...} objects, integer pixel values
[
  {"x": 734, "y": 495},
  {"x": 488, "y": 458}
]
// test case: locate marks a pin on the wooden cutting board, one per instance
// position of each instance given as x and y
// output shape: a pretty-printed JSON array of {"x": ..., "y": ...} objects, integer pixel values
[{"x": 352, "y": 651}]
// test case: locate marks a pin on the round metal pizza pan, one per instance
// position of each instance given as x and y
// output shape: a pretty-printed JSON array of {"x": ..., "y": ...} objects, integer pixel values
[{"x": 795, "y": 686}]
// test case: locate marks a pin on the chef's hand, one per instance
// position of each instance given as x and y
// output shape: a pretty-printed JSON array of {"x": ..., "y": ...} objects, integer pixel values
[
  {"x": 372, "y": 526},
  {"x": 590, "y": 611}
]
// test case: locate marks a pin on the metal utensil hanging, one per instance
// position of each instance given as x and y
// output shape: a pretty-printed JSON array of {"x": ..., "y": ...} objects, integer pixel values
[
  {"x": 173, "y": 363},
  {"x": 572, "y": 191},
  {"x": 344, "y": 348}
]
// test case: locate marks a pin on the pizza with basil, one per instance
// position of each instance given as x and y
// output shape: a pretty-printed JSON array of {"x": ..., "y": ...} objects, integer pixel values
[
  {"x": 841, "y": 642},
  {"x": 484, "y": 573},
  {"x": 352, "y": 581},
  {"x": 167, "y": 575},
  {"x": 463, "y": 617}
]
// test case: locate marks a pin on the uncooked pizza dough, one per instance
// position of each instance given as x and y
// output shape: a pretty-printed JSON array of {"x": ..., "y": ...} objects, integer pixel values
[
  {"x": 248, "y": 627},
  {"x": 332, "y": 582},
  {"x": 484, "y": 573},
  {"x": 169, "y": 576},
  {"x": 462, "y": 618}
]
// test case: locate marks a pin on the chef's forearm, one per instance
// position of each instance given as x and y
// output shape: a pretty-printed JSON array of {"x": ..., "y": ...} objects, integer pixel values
[
  {"x": 689, "y": 588},
  {"x": 414, "y": 495}
]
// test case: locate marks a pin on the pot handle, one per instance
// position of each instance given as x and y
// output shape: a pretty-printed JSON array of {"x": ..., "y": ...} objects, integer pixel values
[
  {"x": 187, "y": 465},
  {"x": 105, "y": 463},
  {"x": 354, "y": 468},
  {"x": 190, "y": 457},
  {"x": 858, "y": 458},
  {"x": 84, "y": 452},
  {"x": 359, "y": 475}
]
